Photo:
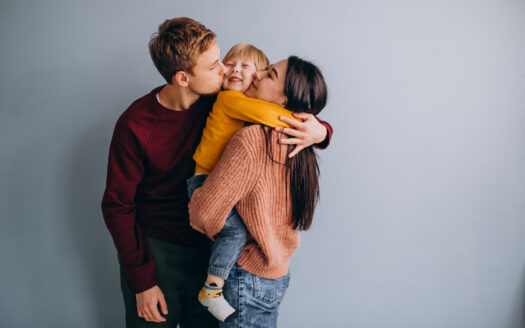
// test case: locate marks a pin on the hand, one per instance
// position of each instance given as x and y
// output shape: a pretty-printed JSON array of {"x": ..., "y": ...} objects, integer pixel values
[
  {"x": 147, "y": 304},
  {"x": 302, "y": 134}
]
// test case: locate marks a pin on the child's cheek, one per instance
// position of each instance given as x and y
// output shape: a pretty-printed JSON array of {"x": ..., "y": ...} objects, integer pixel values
[
  {"x": 249, "y": 79},
  {"x": 224, "y": 84},
  {"x": 246, "y": 83}
]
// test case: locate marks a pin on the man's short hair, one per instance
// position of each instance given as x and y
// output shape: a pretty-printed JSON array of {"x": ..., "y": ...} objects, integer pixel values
[
  {"x": 177, "y": 45},
  {"x": 250, "y": 52}
]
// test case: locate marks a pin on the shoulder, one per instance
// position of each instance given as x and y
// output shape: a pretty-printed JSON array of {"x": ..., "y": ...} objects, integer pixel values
[
  {"x": 259, "y": 139},
  {"x": 228, "y": 98},
  {"x": 137, "y": 119},
  {"x": 206, "y": 102},
  {"x": 251, "y": 134},
  {"x": 248, "y": 140}
]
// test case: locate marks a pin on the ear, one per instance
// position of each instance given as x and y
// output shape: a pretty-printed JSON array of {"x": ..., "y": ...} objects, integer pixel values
[{"x": 180, "y": 78}]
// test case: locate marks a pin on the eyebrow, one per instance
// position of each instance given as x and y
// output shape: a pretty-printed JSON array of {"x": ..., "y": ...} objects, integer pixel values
[{"x": 275, "y": 72}]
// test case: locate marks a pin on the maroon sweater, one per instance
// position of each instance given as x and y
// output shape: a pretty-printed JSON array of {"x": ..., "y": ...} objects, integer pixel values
[{"x": 150, "y": 158}]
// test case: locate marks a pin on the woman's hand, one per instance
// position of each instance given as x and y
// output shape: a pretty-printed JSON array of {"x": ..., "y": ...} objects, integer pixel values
[{"x": 302, "y": 134}]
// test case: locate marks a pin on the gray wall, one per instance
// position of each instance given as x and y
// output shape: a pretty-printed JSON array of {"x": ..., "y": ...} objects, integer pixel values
[{"x": 421, "y": 222}]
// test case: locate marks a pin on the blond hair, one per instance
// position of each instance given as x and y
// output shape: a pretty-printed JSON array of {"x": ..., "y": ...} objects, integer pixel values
[
  {"x": 250, "y": 52},
  {"x": 177, "y": 45}
]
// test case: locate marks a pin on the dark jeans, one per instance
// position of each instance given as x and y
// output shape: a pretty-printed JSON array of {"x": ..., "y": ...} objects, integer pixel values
[
  {"x": 230, "y": 241},
  {"x": 256, "y": 299},
  {"x": 181, "y": 271}
]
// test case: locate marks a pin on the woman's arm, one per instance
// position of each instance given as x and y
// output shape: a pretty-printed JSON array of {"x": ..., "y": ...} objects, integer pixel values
[{"x": 233, "y": 178}]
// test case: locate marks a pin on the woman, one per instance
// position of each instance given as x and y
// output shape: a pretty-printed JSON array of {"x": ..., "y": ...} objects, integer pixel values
[{"x": 274, "y": 194}]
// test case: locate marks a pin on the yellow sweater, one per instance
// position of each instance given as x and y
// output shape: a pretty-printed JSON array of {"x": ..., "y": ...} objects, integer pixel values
[{"x": 230, "y": 111}]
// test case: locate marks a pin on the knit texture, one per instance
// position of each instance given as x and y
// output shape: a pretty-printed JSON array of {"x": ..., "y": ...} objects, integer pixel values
[
  {"x": 246, "y": 177},
  {"x": 231, "y": 110}
]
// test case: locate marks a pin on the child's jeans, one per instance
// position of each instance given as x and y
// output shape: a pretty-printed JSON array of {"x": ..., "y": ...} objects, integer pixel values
[{"x": 229, "y": 242}]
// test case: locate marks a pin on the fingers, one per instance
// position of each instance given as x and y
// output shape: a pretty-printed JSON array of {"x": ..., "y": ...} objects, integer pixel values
[
  {"x": 291, "y": 132},
  {"x": 140, "y": 312},
  {"x": 290, "y": 141},
  {"x": 303, "y": 116},
  {"x": 147, "y": 304},
  {"x": 290, "y": 121},
  {"x": 151, "y": 313},
  {"x": 154, "y": 313},
  {"x": 163, "y": 305},
  {"x": 296, "y": 151},
  {"x": 144, "y": 312},
  {"x": 146, "y": 315}
]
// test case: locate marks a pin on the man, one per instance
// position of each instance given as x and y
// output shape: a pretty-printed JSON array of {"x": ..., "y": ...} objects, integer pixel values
[{"x": 145, "y": 205}]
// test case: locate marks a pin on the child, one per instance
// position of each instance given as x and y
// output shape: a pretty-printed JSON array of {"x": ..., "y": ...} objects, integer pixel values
[{"x": 230, "y": 112}]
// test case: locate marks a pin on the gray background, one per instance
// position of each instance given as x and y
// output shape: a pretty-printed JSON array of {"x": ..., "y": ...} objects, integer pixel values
[{"x": 421, "y": 222}]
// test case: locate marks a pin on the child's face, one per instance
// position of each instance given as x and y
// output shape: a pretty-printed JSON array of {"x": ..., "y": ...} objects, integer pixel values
[{"x": 239, "y": 74}]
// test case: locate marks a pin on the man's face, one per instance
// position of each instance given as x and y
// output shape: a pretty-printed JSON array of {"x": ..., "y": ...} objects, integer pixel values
[{"x": 208, "y": 72}]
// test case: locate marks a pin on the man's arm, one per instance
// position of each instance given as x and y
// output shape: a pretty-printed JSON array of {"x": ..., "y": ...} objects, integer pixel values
[
  {"x": 311, "y": 131},
  {"x": 125, "y": 171},
  {"x": 303, "y": 129},
  {"x": 328, "y": 136}
]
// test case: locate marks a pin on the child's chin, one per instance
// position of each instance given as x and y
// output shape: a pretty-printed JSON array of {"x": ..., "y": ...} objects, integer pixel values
[{"x": 235, "y": 87}]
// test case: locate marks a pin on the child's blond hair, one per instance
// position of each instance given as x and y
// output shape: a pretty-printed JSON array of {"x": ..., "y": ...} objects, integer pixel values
[{"x": 250, "y": 52}]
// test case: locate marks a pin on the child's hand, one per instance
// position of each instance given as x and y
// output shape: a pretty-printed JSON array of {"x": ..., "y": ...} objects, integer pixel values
[{"x": 302, "y": 134}]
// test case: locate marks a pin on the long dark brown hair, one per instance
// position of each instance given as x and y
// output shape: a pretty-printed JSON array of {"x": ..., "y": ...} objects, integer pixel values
[{"x": 306, "y": 91}]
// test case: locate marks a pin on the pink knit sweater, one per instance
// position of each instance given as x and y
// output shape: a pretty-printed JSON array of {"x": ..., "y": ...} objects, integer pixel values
[{"x": 247, "y": 178}]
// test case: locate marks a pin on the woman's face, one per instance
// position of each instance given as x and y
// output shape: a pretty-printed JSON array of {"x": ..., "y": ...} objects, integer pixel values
[{"x": 269, "y": 85}]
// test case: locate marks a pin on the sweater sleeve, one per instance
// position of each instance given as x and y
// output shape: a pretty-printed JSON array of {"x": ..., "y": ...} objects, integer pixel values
[
  {"x": 125, "y": 171},
  {"x": 233, "y": 178},
  {"x": 329, "y": 131},
  {"x": 237, "y": 106}
]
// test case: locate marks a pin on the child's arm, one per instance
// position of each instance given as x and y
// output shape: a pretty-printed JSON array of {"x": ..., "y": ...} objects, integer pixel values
[
  {"x": 301, "y": 127},
  {"x": 237, "y": 106}
]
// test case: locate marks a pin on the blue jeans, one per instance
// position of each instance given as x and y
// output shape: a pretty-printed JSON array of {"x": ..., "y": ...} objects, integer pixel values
[
  {"x": 256, "y": 299},
  {"x": 229, "y": 242}
]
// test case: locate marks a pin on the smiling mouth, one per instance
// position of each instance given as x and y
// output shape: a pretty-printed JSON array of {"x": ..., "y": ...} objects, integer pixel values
[
  {"x": 253, "y": 85},
  {"x": 234, "y": 80}
]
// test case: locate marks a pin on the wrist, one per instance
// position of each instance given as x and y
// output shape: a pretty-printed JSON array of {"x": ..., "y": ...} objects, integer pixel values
[{"x": 322, "y": 137}]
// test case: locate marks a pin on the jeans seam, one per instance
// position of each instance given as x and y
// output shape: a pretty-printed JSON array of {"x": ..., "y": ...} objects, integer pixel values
[{"x": 241, "y": 300}]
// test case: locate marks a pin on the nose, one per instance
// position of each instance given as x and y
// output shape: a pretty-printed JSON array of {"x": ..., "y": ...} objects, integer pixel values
[
  {"x": 236, "y": 68},
  {"x": 258, "y": 75}
]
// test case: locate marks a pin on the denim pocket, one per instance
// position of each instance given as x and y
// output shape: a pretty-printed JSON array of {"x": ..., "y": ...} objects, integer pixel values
[{"x": 270, "y": 291}]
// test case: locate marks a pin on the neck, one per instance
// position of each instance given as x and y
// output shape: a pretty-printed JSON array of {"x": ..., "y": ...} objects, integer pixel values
[{"x": 176, "y": 97}]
